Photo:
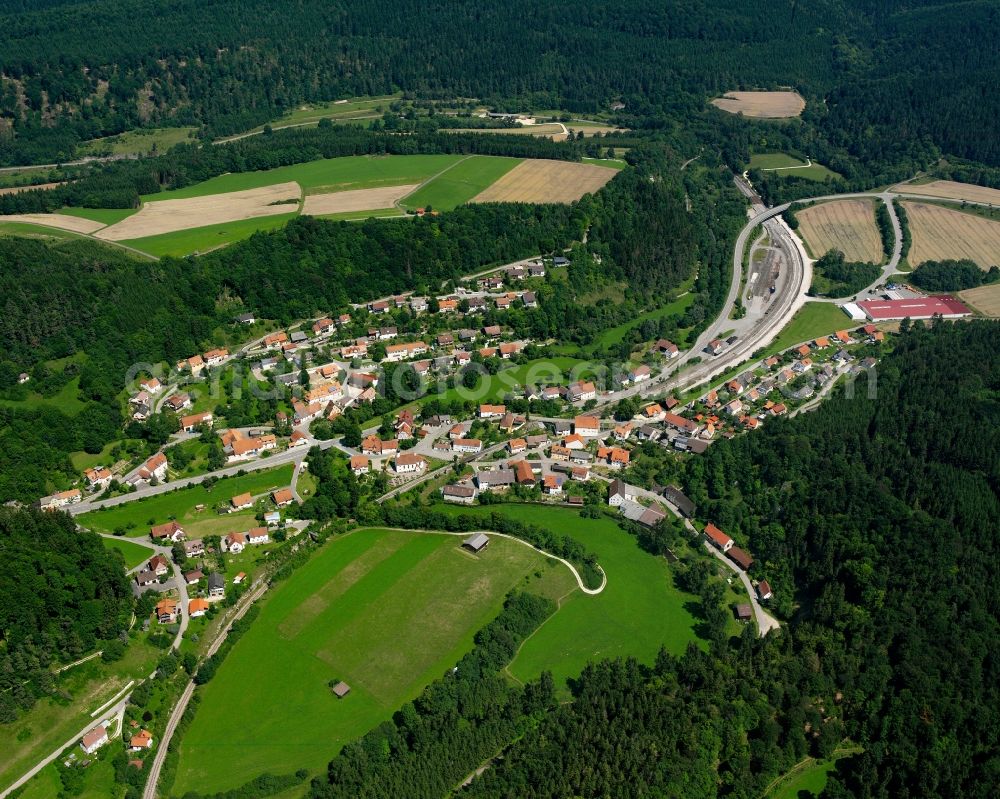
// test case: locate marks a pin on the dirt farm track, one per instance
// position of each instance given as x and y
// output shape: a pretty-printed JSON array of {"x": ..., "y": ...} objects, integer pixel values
[
  {"x": 941, "y": 233},
  {"x": 845, "y": 225},
  {"x": 542, "y": 181}
]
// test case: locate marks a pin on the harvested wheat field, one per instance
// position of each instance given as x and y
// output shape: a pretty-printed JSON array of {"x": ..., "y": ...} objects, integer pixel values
[
  {"x": 553, "y": 130},
  {"x": 541, "y": 181},
  {"x": 19, "y": 189},
  {"x": 75, "y": 224},
  {"x": 358, "y": 200},
  {"x": 985, "y": 299},
  {"x": 940, "y": 233},
  {"x": 762, "y": 105},
  {"x": 168, "y": 216},
  {"x": 951, "y": 190},
  {"x": 845, "y": 225}
]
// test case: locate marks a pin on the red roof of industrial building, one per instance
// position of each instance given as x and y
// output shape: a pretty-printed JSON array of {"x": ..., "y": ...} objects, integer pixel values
[{"x": 917, "y": 308}]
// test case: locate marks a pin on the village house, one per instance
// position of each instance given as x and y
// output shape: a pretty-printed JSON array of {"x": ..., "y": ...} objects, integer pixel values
[
  {"x": 234, "y": 543},
  {"x": 492, "y": 411},
  {"x": 215, "y": 357},
  {"x": 552, "y": 484},
  {"x": 359, "y": 465},
  {"x": 240, "y": 502},
  {"x": 166, "y": 611},
  {"x": 257, "y": 536},
  {"x": 715, "y": 346},
  {"x": 275, "y": 340},
  {"x": 170, "y": 531},
  {"x": 94, "y": 739},
  {"x": 97, "y": 477},
  {"x": 523, "y": 473},
  {"x": 145, "y": 577},
  {"x": 323, "y": 326},
  {"x": 379, "y": 306},
  {"x": 764, "y": 592},
  {"x": 197, "y": 607},
  {"x": 466, "y": 445},
  {"x": 722, "y": 541},
  {"x": 159, "y": 565},
  {"x": 463, "y": 495},
  {"x": 447, "y": 306},
  {"x": 496, "y": 480},
  {"x": 410, "y": 463},
  {"x": 582, "y": 391},
  {"x": 587, "y": 426},
  {"x": 60, "y": 499},
  {"x": 194, "y": 364},
  {"x": 373, "y": 446},
  {"x": 620, "y": 491},
  {"x": 191, "y": 423},
  {"x": 664, "y": 347},
  {"x": 178, "y": 402},
  {"x": 282, "y": 497},
  {"x": 151, "y": 384},
  {"x": 194, "y": 549},
  {"x": 616, "y": 457},
  {"x": 516, "y": 446},
  {"x": 216, "y": 585},
  {"x": 639, "y": 374},
  {"x": 193, "y": 577}
]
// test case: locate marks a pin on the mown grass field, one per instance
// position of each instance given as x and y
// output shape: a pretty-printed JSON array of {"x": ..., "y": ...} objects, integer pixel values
[
  {"x": 638, "y": 612},
  {"x": 493, "y": 388},
  {"x": 202, "y": 239},
  {"x": 461, "y": 182},
  {"x": 789, "y": 166},
  {"x": 385, "y": 611},
  {"x": 26, "y": 230},
  {"x": 133, "y": 553},
  {"x": 812, "y": 320},
  {"x": 180, "y": 504},
  {"x": 106, "y": 215},
  {"x": 328, "y": 174}
]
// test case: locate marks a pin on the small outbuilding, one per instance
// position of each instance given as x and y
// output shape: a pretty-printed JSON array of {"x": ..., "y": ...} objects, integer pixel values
[
  {"x": 341, "y": 689},
  {"x": 476, "y": 543},
  {"x": 744, "y": 612}
]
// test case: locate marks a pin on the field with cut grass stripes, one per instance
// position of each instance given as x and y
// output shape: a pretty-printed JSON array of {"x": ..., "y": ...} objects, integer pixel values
[{"x": 385, "y": 611}]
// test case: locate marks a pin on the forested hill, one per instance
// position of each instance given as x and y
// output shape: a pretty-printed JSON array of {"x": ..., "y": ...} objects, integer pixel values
[
  {"x": 876, "y": 520},
  {"x": 61, "y": 592},
  {"x": 882, "y": 514},
  {"x": 885, "y": 78}
]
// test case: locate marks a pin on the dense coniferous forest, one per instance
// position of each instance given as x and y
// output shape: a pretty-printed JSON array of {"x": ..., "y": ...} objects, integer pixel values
[
  {"x": 875, "y": 519},
  {"x": 62, "y": 592},
  {"x": 73, "y": 71}
]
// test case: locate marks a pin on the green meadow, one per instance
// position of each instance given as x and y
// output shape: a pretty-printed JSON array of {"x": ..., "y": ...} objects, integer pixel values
[
  {"x": 461, "y": 182},
  {"x": 181, "y": 504},
  {"x": 385, "y": 611},
  {"x": 791, "y": 166},
  {"x": 133, "y": 553},
  {"x": 638, "y": 612},
  {"x": 108, "y": 216},
  {"x": 324, "y": 175}
]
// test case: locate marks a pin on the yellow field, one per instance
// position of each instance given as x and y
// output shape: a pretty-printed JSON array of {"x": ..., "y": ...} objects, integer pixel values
[
  {"x": 762, "y": 105},
  {"x": 845, "y": 225},
  {"x": 940, "y": 233},
  {"x": 951, "y": 190},
  {"x": 542, "y": 181},
  {"x": 19, "y": 189},
  {"x": 62, "y": 221},
  {"x": 167, "y": 216},
  {"x": 357, "y": 200},
  {"x": 985, "y": 299}
]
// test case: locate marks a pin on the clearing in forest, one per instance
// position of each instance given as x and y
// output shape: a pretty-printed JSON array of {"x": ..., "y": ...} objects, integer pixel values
[
  {"x": 985, "y": 299},
  {"x": 951, "y": 189},
  {"x": 60, "y": 221},
  {"x": 358, "y": 200},
  {"x": 167, "y": 216},
  {"x": 544, "y": 181},
  {"x": 941, "y": 233},
  {"x": 845, "y": 225},
  {"x": 762, "y": 105}
]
